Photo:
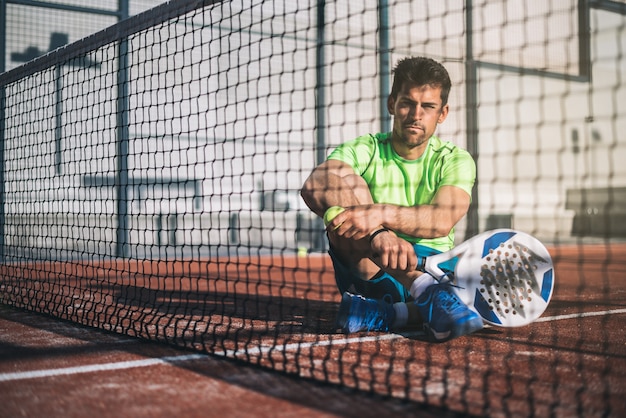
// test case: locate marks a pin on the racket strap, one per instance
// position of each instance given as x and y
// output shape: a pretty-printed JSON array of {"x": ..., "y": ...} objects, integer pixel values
[{"x": 421, "y": 263}]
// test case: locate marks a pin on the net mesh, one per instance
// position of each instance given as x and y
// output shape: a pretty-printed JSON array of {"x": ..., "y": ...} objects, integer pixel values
[{"x": 151, "y": 174}]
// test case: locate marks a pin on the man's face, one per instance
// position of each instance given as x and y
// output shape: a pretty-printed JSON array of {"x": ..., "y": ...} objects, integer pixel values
[{"x": 416, "y": 111}]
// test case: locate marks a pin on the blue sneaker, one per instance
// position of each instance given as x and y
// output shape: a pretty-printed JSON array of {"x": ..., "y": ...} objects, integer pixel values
[
  {"x": 357, "y": 313},
  {"x": 445, "y": 315}
]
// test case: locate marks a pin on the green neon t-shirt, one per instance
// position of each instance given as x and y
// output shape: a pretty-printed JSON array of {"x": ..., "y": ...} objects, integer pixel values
[{"x": 394, "y": 180}]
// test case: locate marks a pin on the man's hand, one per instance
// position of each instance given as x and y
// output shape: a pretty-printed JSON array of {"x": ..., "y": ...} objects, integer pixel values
[
  {"x": 357, "y": 222},
  {"x": 393, "y": 252}
]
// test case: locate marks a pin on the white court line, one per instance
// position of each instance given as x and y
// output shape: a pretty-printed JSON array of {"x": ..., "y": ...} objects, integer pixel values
[
  {"x": 34, "y": 374},
  {"x": 6, "y": 377},
  {"x": 297, "y": 346},
  {"x": 581, "y": 315}
]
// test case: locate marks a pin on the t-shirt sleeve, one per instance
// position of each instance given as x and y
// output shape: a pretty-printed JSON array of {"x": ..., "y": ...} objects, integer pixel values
[
  {"x": 459, "y": 169},
  {"x": 357, "y": 153}
]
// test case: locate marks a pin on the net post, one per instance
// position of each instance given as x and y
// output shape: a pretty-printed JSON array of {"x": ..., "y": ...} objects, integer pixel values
[
  {"x": 471, "y": 115},
  {"x": 122, "y": 138},
  {"x": 2, "y": 166},
  {"x": 384, "y": 63},
  {"x": 320, "y": 104},
  {"x": 584, "y": 40},
  {"x": 3, "y": 35},
  {"x": 3, "y": 9},
  {"x": 58, "y": 118},
  {"x": 122, "y": 182}
]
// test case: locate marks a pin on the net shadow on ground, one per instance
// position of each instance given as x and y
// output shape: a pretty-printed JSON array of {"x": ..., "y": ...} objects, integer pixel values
[{"x": 315, "y": 395}]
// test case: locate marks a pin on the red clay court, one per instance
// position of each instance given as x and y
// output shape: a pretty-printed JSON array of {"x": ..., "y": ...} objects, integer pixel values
[{"x": 278, "y": 313}]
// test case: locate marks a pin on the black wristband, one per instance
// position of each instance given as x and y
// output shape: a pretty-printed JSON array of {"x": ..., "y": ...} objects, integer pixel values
[{"x": 378, "y": 231}]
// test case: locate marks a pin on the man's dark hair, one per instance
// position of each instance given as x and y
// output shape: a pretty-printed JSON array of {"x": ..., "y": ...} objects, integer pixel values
[{"x": 421, "y": 71}]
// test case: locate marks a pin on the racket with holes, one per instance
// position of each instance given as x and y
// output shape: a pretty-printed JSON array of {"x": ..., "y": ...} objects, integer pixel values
[{"x": 505, "y": 275}]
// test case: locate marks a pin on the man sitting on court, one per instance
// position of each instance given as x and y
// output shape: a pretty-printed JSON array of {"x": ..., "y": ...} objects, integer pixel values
[{"x": 402, "y": 193}]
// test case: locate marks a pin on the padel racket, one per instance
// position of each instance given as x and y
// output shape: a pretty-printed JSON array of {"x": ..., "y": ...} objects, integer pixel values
[{"x": 505, "y": 275}]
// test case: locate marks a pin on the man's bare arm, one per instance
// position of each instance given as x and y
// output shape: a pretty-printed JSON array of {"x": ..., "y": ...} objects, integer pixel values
[
  {"x": 334, "y": 183},
  {"x": 423, "y": 221},
  {"x": 429, "y": 221}
]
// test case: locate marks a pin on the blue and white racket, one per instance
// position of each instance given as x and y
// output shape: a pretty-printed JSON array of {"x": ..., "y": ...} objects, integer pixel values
[{"x": 505, "y": 275}]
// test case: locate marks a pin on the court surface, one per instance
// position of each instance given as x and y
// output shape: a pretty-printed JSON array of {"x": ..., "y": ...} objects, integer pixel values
[{"x": 572, "y": 362}]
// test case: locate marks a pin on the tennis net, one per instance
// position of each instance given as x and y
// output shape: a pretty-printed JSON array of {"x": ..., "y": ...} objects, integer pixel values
[{"x": 151, "y": 176}]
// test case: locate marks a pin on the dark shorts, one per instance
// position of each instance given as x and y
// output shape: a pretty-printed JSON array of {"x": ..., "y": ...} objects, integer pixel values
[{"x": 383, "y": 286}]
